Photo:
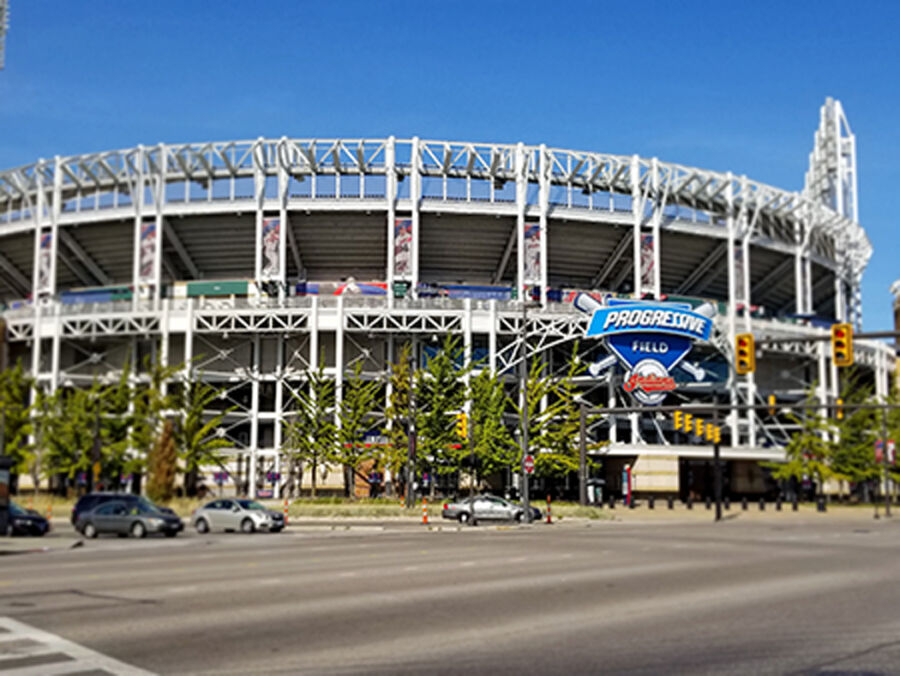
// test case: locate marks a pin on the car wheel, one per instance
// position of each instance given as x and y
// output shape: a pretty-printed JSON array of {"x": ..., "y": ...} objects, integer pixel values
[
  {"x": 89, "y": 530},
  {"x": 466, "y": 518},
  {"x": 519, "y": 517},
  {"x": 138, "y": 530},
  {"x": 247, "y": 526},
  {"x": 202, "y": 526}
]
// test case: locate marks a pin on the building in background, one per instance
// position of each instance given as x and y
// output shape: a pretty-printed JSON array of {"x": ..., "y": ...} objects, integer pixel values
[{"x": 256, "y": 260}]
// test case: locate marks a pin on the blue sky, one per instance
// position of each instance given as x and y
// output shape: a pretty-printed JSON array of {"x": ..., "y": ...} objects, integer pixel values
[{"x": 727, "y": 86}]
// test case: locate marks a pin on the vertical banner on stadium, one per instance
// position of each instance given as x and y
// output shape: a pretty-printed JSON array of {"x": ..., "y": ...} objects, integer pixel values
[
  {"x": 147, "y": 266},
  {"x": 271, "y": 245},
  {"x": 739, "y": 274},
  {"x": 646, "y": 262},
  {"x": 403, "y": 249},
  {"x": 44, "y": 263},
  {"x": 532, "y": 253}
]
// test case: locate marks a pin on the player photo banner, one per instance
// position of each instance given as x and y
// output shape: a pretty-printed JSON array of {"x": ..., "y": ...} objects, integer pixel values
[
  {"x": 646, "y": 261},
  {"x": 403, "y": 248},
  {"x": 532, "y": 253},
  {"x": 147, "y": 252},
  {"x": 44, "y": 262},
  {"x": 271, "y": 241},
  {"x": 739, "y": 274}
]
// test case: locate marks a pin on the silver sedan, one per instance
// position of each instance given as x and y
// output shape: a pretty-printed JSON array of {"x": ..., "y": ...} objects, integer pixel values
[
  {"x": 246, "y": 516},
  {"x": 486, "y": 508}
]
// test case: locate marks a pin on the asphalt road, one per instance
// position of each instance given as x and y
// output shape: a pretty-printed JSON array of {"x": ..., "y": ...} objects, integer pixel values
[{"x": 791, "y": 596}]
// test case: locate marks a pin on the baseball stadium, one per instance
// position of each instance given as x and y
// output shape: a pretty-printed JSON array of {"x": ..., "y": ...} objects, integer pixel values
[{"x": 253, "y": 262}]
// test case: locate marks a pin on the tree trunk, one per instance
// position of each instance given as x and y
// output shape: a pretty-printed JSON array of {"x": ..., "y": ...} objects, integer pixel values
[{"x": 315, "y": 467}]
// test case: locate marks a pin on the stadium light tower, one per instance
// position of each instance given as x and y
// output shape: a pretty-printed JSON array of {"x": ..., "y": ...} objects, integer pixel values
[{"x": 4, "y": 27}]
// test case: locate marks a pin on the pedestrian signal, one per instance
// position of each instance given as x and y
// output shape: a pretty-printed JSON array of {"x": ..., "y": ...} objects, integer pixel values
[
  {"x": 842, "y": 344},
  {"x": 744, "y": 353}
]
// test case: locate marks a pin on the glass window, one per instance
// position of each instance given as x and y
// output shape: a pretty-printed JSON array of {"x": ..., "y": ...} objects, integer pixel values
[
  {"x": 251, "y": 504},
  {"x": 215, "y": 504},
  {"x": 110, "y": 508},
  {"x": 15, "y": 510}
]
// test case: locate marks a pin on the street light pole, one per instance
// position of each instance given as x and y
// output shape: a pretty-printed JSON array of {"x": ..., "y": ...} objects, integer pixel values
[
  {"x": 411, "y": 434},
  {"x": 717, "y": 464},
  {"x": 885, "y": 463},
  {"x": 523, "y": 374},
  {"x": 582, "y": 453}
]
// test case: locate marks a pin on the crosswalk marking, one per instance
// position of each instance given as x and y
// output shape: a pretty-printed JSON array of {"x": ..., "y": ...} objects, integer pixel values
[{"x": 26, "y": 650}]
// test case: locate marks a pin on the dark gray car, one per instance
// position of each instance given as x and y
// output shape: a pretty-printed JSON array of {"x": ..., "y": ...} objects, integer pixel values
[
  {"x": 486, "y": 508},
  {"x": 135, "y": 518}
]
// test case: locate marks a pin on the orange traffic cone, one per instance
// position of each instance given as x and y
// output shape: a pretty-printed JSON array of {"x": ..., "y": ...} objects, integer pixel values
[{"x": 424, "y": 511}]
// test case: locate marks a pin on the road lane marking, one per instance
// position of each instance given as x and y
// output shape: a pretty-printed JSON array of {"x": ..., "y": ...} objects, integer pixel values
[{"x": 26, "y": 650}]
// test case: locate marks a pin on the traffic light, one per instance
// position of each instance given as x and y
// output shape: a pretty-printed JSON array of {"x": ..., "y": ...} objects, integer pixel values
[
  {"x": 717, "y": 435},
  {"x": 744, "y": 353},
  {"x": 839, "y": 409},
  {"x": 772, "y": 409},
  {"x": 842, "y": 344},
  {"x": 679, "y": 420},
  {"x": 698, "y": 427},
  {"x": 688, "y": 422},
  {"x": 462, "y": 425},
  {"x": 710, "y": 431}
]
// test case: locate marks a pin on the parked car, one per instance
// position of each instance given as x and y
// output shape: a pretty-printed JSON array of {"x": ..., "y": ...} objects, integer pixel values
[
  {"x": 132, "y": 517},
  {"x": 486, "y": 508},
  {"x": 236, "y": 514},
  {"x": 26, "y": 521},
  {"x": 92, "y": 500}
]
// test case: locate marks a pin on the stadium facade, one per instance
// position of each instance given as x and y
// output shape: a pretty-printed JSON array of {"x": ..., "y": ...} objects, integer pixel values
[{"x": 255, "y": 260}]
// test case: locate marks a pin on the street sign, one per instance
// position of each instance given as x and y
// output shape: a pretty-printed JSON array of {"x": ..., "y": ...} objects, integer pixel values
[{"x": 529, "y": 464}]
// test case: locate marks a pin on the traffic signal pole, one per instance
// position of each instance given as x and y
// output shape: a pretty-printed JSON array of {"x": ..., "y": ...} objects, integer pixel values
[
  {"x": 885, "y": 463},
  {"x": 717, "y": 464}
]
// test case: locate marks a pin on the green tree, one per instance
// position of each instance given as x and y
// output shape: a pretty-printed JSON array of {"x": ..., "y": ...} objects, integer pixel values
[
  {"x": 401, "y": 378},
  {"x": 493, "y": 445},
  {"x": 151, "y": 401},
  {"x": 69, "y": 432},
  {"x": 197, "y": 441},
  {"x": 115, "y": 422},
  {"x": 559, "y": 439},
  {"x": 808, "y": 454},
  {"x": 355, "y": 416},
  {"x": 310, "y": 433},
  {"x": 440, "y": 393},
  {"x": 163, "y": 465},
  {"x": 15, "y": 415},
  {"x": 852, "y": 455}
]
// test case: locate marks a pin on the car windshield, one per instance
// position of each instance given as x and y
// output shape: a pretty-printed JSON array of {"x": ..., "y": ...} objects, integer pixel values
[
  {"x": 251, "y": 504},
  {"x": 147, "y": 507},
  {"x": 15, "y": 510}
]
